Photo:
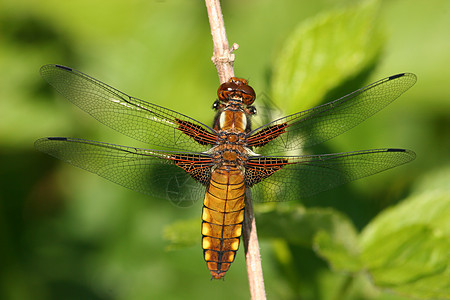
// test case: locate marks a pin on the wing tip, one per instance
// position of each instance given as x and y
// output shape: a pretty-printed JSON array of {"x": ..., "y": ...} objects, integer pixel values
[
  {"x": 411, "y": 153},
  {"x": 410, "y": 75},
  {"x": 64, "y": 68},
  {"x": 396, "y": 150},
  {"x": 56, "y": 139},
  {"x": 38, "y": 144},
  {"x": 397, "y": 76},
  {"x": 51, "y": 66}
]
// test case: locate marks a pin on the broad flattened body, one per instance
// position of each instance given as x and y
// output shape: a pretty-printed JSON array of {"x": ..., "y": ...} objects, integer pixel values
[{"x": 224, "y": 202}]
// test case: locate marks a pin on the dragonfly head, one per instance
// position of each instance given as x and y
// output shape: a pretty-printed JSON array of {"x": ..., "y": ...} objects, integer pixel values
[{"x": 236, "y": 88}]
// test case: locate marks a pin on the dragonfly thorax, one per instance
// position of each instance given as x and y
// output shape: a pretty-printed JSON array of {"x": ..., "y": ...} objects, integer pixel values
[{"x": 229, "y": 154}]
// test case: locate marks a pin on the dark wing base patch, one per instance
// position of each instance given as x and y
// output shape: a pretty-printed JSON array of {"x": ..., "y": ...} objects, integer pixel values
[
  {"x": 266, "y": 135},
  {"x": 258, "y": 169},
  {"x": 196, "y": 166},
  {"x": 198, "y": 133}
]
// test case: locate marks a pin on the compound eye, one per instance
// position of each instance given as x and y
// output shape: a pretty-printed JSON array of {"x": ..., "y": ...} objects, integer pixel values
[
  {"x": 248, "y": 96},
  {"x": 247, "y": 92},
  {"x": 251, "y": 110},
  {"x": 236, "y": 87},
  {"x": 238, "y": 81},
  {"x": 225, "y": 90}
]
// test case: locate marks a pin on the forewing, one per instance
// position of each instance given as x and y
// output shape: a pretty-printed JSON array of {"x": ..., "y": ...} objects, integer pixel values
[
  {"x": 176, "y": 176},
  {"x": 136, "y": 118},
  {"x": 324, "y": 122},
  {"x": 285, "y": 178}
]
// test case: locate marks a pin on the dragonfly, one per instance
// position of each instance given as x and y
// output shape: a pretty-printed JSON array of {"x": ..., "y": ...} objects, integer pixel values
[{"x": 219, "y": 163}]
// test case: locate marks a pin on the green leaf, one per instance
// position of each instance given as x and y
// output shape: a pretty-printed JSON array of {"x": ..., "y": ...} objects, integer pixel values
[
  {"x": 406, "y": 248},
  {"x": 341, "y": 256},
  {"x": 298, "y": 225},
  {"x": 182, "y": 234},
  {"x": 323, "y": 52}
]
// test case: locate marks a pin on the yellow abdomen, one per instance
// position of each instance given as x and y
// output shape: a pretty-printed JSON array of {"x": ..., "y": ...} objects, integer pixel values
[{"x": 223, "y": 214}]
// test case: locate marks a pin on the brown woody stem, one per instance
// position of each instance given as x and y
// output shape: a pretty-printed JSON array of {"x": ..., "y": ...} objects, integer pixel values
[{"x": 223, "y": 57}]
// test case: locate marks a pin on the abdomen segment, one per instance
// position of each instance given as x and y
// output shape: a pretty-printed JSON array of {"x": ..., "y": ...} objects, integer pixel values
[{"x": 223, "y": 214}]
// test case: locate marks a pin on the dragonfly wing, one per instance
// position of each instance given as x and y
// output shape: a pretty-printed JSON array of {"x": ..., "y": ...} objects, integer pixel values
[
  {"x": 136, "y": 118},
  {"x": 326, "y": 121},
  {"x": 285, "y": 178},
  {"x": 176, "y": 176}
]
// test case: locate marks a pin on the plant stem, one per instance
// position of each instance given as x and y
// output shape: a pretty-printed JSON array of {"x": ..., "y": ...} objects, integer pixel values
[
  {"x": 223, "y": 59},
  {"x": 252, "y": 255}
]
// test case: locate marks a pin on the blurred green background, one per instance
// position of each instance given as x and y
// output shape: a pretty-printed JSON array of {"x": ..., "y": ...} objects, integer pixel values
[{"x": 68, "y": 234}]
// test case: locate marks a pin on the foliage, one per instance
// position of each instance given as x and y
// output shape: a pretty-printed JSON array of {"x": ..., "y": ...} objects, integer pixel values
[
  {"x": 404, "y": 249},
  {"x": 324, "y": 52}
]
